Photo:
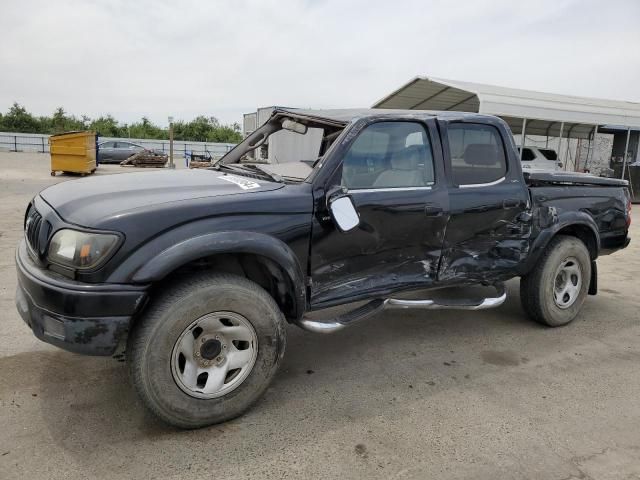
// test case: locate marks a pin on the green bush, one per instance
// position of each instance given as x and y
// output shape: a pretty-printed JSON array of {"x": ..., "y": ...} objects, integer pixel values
[{"x": 200, "y": 129}]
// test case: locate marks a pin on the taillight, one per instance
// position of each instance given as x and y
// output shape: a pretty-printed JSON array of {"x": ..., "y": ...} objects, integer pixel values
[{"x": 629, "y": 211}]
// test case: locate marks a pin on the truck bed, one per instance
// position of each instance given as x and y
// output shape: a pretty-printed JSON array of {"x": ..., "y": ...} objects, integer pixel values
[
  {"x": 543, "y": 178},
  {"x": 578, "y": 198}
]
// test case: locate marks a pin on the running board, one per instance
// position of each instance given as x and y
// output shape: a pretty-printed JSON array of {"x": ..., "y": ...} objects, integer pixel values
[{"x": 378, "y": 305}]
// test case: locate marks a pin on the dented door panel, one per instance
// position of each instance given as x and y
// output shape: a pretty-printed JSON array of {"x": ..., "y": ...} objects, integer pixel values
[
  {"x": 484, "y": 239},
  {"x": 487, "y": 235},
  {"x": 396, "y": 246}
]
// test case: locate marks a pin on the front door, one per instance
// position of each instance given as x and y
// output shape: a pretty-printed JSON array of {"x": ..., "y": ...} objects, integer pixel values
[
  {"x": 105, "y": 151},
  {"x": 393, "y": 173}
]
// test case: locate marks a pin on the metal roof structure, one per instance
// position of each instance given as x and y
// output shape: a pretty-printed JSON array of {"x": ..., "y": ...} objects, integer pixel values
[
  {"x": 539, "y": 113},
  {"x": 346, "y": 115}
]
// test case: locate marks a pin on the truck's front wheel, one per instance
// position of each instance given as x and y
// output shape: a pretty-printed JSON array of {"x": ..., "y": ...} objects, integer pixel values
[
  {"x": 206, "y": 349},
  {"x": 554, "y": 291}
]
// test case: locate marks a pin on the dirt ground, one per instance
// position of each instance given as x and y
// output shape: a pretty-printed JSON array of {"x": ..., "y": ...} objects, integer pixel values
[{"x": 444, "y": 395}]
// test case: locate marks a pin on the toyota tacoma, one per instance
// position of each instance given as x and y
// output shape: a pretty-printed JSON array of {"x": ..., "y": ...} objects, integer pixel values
[{"x": 194, "y": 274}]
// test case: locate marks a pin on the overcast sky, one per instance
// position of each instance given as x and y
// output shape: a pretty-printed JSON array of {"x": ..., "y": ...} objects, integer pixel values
[{"x": 185, "y": 58}]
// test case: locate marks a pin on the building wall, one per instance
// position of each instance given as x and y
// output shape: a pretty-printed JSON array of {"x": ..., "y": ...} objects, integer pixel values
[
  {"x": 619, "y": 143},
  {"x": 249, "y": 123},
  {"x": 599, "y": 159}
]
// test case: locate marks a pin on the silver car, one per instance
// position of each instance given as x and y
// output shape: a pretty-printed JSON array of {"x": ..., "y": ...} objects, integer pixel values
[{"x": 115, "y": 151}]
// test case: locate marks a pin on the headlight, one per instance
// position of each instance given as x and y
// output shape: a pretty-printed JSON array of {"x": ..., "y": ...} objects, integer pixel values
[{"x": 80, "y": 249}]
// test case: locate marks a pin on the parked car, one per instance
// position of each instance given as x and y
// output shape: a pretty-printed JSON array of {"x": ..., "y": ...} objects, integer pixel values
[
  {"x": 195, "y": 273},
  {"x": 115, "y": 151},
  {"x": 540, "y": 159}
]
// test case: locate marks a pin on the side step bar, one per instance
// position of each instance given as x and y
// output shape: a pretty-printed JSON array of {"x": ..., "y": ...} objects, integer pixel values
[{"x": 378, "y": 305}]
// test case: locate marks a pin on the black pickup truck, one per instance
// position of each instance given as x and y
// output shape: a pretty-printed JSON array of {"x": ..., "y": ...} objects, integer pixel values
[{"x": 195, "y": 273}]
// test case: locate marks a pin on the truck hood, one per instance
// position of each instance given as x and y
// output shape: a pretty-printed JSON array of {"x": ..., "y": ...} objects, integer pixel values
[{"x": 87, "y": 200}]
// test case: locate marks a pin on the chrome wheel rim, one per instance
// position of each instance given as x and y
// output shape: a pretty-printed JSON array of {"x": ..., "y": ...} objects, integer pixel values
[
  {"x": 567, "y": 283},
  {"x": 214, "y": 355}
]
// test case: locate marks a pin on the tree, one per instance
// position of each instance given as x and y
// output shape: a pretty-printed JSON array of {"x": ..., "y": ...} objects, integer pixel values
[
  {"x": 207, "y": 129},
  {"x": 200, "y": 129},
  {"x": 18, "y": 119},
  {"x": 106, "y": 127},
  {"x": 61, "y": 122},
  {"x": 146, "y": 129}
]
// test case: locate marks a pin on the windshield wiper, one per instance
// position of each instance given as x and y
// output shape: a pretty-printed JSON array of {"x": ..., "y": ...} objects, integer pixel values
[
  {"x": 252, "y": 171},
  {"x": 223, "y": 166},
  {"x": 274, "y": 176}
]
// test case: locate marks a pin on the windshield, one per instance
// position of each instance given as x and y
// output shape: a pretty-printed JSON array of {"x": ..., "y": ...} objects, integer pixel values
[{"x": 285, "y": 148}]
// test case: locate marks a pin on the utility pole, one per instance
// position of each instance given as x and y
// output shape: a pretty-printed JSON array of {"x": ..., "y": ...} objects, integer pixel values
[
  {"x": 524, "y": 136},
  {"x": 624, "y": 158},
  {"x": 171, "y": 164}
]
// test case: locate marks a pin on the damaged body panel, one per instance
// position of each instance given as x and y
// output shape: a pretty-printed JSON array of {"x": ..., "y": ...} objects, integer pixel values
[
  {"x": 488, "y": 231},
  {"x": 487, "y": 237},
  {"x": 434, "y": 199},
  {"x": 398, "y": 243}
]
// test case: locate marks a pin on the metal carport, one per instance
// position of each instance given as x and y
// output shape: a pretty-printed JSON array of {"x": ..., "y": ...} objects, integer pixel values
[{"x": 526, "y": 111}]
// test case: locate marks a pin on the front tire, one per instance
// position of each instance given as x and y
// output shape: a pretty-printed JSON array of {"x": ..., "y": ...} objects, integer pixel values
[
  {"x": 554, "y": 291},
  {"x": 206, "y": 349}
]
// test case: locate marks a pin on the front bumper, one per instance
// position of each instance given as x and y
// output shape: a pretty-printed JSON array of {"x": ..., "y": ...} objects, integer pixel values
[{"x": 91, "y": 319}]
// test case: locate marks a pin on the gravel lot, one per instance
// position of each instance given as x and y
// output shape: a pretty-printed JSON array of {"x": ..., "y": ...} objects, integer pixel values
[{"x": 444, "y": 395}]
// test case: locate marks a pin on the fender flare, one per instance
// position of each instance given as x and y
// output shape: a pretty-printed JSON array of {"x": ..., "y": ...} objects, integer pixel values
[
  {"x": 206, "y": 245},
  {"x": 564, "y": 220}
]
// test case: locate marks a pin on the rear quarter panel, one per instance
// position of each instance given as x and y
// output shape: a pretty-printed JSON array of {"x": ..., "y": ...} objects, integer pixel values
[{"x": 602, "y": 207}]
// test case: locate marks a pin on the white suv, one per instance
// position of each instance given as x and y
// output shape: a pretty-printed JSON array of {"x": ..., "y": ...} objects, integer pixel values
[{"x": 534, "y": 158}]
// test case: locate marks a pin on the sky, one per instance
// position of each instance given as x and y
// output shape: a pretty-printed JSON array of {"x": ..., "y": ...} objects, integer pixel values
[{"x": 134, "y": 58}]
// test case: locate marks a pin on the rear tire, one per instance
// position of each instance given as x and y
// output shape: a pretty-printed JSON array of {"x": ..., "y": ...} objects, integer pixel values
[
  {"x": 554, "y": 291},
  {"x": 224, "y": 304}
]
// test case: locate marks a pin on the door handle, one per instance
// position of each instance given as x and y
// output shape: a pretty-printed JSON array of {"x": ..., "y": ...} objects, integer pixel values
[
  {"x": 431, "y": 210},
  {"x": 510, "y": 203}
]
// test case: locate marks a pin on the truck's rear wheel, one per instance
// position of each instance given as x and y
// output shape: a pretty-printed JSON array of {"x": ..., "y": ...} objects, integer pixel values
[
  {"x": 554, "y": 291},
  {"x": 206, "y": 349}
]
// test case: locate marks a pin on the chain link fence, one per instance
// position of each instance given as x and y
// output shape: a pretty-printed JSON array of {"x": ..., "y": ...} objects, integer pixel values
[{"x": 30, "y": 142}]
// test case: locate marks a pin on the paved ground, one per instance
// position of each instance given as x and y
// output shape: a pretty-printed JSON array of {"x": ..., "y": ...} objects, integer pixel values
[{"x": 446, "y": 395}]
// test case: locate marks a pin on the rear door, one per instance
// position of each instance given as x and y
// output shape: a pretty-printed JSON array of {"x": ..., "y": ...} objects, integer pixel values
[
  {"x": 393, "y": 172},
  {"x": 487, "y": 235}
]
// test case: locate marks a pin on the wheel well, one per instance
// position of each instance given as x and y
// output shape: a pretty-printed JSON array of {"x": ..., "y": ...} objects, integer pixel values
[
  {"x": 585, "y": 234},
  {"x": 257, "y": 268}
]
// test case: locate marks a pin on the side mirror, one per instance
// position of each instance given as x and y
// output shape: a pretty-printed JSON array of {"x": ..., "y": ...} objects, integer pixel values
[{"x": 344, "y": 213}]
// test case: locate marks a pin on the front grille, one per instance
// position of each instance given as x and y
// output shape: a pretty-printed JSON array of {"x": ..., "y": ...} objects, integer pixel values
[{"x": 32, "y": 228}]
